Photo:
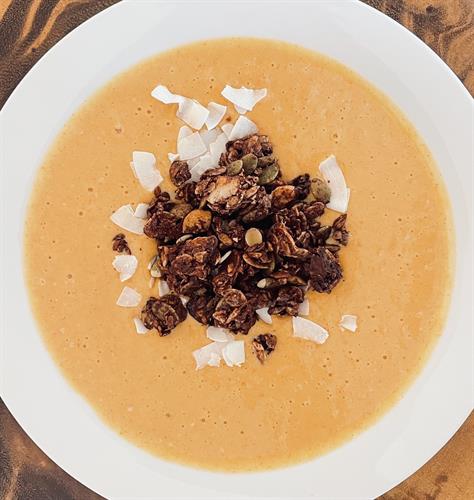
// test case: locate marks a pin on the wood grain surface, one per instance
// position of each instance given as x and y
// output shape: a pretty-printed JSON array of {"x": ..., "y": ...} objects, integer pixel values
[{"x": 28, "y": 29}]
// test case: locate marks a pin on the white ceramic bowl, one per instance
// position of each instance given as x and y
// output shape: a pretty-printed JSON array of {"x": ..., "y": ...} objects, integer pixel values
[{"x": 373, "y": 45}]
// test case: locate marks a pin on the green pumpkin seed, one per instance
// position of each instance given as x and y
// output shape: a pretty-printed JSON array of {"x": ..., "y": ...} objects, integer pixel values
[
  {"x": 269, "y": 174},
  {"x": 235, "y": 167},
  {"x": 249, "y": 163},
  {"x": 265, "y": 161}
]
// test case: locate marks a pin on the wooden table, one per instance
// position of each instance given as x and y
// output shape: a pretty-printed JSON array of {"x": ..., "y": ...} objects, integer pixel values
[{"x": 28, "y": 28}]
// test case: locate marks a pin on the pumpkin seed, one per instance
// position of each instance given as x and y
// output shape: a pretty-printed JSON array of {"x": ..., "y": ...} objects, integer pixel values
[
  {"x": 235, "y": 167},
  {"x": 253, "y": 237},
  {"x": 265, "y": 161},
  {"x": 249, "y": 163},
  {"x": 321, "y": 191},
  {"x": 269, "y": 174}
]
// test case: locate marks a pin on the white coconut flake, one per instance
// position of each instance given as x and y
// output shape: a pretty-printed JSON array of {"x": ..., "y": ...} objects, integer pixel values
[
  {"x": 240, "y": 110},
  {"x": 141, "y": 211},
  {"x": 191, "y": 146},
  {"x": 333, "y": 175},
  {"x": 124, "y": 217},
  {"x": 217, "y": 147},
  {"x": 303, "y": 308},
  {"x": 219, "y": 334},
  {"x": 193, "y": 162},
  {"x": 263, "y": 314},
  {"x": 242, "y": 128},
  {"x": 243, "y": 98},
  {"x": 125, "y": 265},
  {"x": 173, "y": 157},
  {"x": 184, "y": 300},
  {"x": 183, "y": 132},
  {"x": 206, "y": 162},
  {"x": 308, "y": 330},
  {"x": 144, "y": 168},
  {"x": 139, "y": 326},
  {"x": 348, "y": 322},
  {"x": 162, "y": 94},
  {"x": 227, "y": 128},
  {"x": 209, "y": 136},
  {"x": 192, "y": 113},
  {"x": 210, "y": 354},
  {"x": 216, "y": 113},
  {"x": 151, "y": 282},
  {"x": 163, "y": 288},
  {"x": 129, "y": 297},
  {"x": 234, "y": 353}
]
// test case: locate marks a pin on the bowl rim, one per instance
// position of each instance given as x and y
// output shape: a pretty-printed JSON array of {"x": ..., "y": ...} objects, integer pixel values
[{"x": 404, "y": 433}]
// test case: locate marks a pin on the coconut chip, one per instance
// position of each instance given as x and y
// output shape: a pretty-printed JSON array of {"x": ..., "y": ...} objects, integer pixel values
[
  {"x": 124, "y": 217},
  {"x": 139, "y": 326},
  {"x": 333, "y": 175},
  {"x": 243, "y": 127},
  {"x": 217, "y": 147},
  {"x": 224, "y": 256},
  {"x": 141, "y": 211},
  {"x": 163, "y": 288},
  {"x": 219, "y": 334},
  {"x": 126, "y": 265},
  {"x": 348, "y": 322},
  {"x": 262, "y": 313},
  {"x": 192, "y": 113},
  {"x": 234, "y": 353},
  {"x": 129, "y": 297},
  {"x": 191, "y": 146},
  {"x": 162, "y": 94},
  {"x": 216, "y": 113},
  {"x": 144, "y": 168},
  {"x": 209, "y": 355},
  {"x": 173, "y": 157},
  {"x": 308, "y": 330},
  {"x": 227, "y": 128},
  {"x": 303, "y": 309},
  {"x": 209, "y": 136},
  {"x": 206, "y": 162},
  {"x": 243, "y": 99}
]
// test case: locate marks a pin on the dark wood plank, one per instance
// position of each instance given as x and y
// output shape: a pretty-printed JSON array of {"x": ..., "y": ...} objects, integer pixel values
[{"x": 28, "y": 29}]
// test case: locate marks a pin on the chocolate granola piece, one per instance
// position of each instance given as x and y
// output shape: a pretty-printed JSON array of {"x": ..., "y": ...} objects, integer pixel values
[
  {"x": 163, "y": 226},
  {"x": 230, "y": 232},
  {"x": 313, "y": 211},
  {"x": 161, "y": 202},
  {"x": 259, "y": 256},
  {"x": 325, "y": 270},
  {"x": 258, "y": 145},
  {"x": 339, "y": 232},
  {"x": 283, "y": 243},
  {"x": 226, "y": 195},
  {"x": 120, "y": 245},
  {"x": 236, "y": 318},
  {"x": 256, "y": 206},
  {"x": 227, "y": 273},
  {"x": 294, "y": 219},
  {"x": 187, "y": 193},
  {"x": 287, "y": 301},
  {"x": 163, "y": 313},
  {"x": 179, "y": 172},
  {"x": 302, "y": 184},
  {"x": 202, "y": 307},
  {"x": 263, "y": 345},
  {"x": 180, "y": 210}
]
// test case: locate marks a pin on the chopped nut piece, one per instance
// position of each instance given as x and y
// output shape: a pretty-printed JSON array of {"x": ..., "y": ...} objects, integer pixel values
[
  {"x": 282, "y": 196},
  {"x": 320, "y": 190},
  {"x": 263, "y": 345},
  {"x": 179, "y": 172},
  {"x": 253, "y": 237},
  {"x": 197, "y": 221},
  {"x": 163, "y": 314}
]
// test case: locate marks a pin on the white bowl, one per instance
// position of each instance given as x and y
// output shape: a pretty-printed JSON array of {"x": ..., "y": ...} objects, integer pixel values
[{"x": 373, "y": 45}]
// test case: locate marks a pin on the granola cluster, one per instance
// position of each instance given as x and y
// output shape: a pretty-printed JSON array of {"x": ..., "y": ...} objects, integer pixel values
[{"x": 241, "y": 239}]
